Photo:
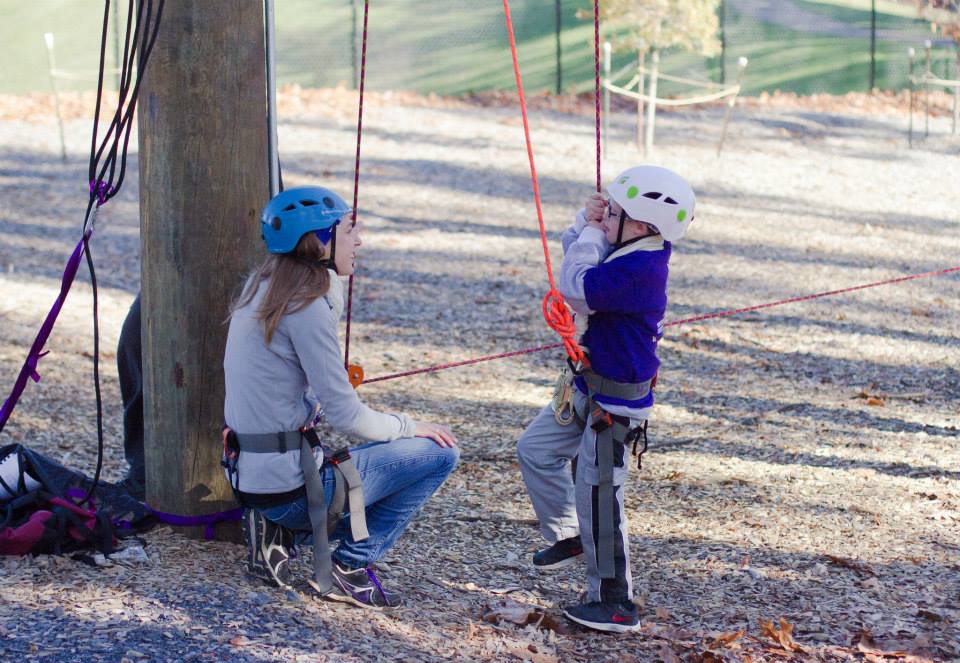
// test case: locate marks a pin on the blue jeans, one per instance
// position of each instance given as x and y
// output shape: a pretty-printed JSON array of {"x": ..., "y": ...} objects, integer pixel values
[{"x": 398, "y": 478}]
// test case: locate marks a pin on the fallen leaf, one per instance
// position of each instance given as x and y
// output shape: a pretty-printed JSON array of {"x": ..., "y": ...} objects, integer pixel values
[
  {"x": 522, "y": 615},
  {"x": 667, "y": 655},
  {"x": 725, "y": 639},
  {"x": 240, "y": 641},
  {"x": 854, "y": 565},
  {"x": 782, "y": 635},
  {"x": 867, "y": 644},
  {"x": 663, "y": 614}
]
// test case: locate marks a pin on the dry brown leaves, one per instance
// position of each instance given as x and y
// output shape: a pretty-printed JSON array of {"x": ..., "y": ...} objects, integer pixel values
[
  {"x": 522, "y": 615},
  {"x": 781, "y": 635},
  {"x": 859, "y": 568}
]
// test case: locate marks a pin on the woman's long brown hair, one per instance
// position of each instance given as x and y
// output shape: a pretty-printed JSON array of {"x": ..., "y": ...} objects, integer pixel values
[{"x": 296, "y": 280}]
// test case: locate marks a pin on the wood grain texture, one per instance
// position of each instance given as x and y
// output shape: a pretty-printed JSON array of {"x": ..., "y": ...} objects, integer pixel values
[{"x": 203, "y": 180}]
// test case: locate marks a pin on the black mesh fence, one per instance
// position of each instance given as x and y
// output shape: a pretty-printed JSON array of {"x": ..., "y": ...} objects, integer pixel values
[{"x": 460, "y": 46}]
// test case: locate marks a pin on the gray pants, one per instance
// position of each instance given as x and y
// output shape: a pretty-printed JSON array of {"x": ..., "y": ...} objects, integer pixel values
[{"x": 568, "y": 507}]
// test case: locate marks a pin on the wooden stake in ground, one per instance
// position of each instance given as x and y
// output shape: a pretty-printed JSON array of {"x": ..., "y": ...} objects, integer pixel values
[{"x": 203, "y": 180}]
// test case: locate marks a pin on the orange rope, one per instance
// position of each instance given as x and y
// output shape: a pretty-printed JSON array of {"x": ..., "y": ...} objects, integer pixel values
[{"x": 555, "y": 310}]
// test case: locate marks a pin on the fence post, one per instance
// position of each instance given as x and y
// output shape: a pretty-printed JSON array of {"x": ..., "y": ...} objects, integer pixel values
[
  {"x": 116, "y": 42},
  {"x": 652, "y": 104},
  {"x": 911, "y": 54},
  {"x": 731, "y": 102},
  {"x": 641, "y": 61},
  {"x": 353, "y": 44},
  {"x": 873, "y": 44},
  {"x": 558, "y": 11},
  {"x": 606, "y": 94},
  {"x": 723, "y": 43},
  {"x": 51, "y": 64},
  {"x": 927, "y": 45},
  {"x": 956, "y": 92}
]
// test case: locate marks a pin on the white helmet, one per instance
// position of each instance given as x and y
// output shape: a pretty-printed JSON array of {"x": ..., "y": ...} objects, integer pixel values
[{"x": 656, "y": 196}]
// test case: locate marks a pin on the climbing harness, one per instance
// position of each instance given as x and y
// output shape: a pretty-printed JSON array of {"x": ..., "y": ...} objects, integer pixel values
[{"x": 348, "y": 487}]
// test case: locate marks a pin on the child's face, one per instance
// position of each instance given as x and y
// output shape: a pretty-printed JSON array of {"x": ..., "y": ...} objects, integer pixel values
[{"x": 631, "y": 228}]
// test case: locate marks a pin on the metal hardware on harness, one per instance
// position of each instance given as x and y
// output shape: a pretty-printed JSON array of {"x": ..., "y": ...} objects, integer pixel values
[{"x": 562, "y": 403}]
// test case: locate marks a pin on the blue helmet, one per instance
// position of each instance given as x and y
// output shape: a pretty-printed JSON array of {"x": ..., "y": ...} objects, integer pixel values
[{"x": 293, "y": 213}]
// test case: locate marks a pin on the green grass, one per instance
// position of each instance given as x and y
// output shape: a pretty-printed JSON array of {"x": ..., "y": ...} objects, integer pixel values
[{"x": 453, "y": 47}]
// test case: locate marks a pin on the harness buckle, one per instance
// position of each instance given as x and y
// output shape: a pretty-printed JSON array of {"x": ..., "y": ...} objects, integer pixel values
[
  {"x": 340, "y": 456},
  {"x": 601, "y": 420},
  {"x": 231, "y": 446},
  {"x": 579, "y": 367}
]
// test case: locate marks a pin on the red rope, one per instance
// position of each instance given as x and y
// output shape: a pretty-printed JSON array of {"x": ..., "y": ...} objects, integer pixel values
[
  {"x": 555, "y": 310},
  {"x": 683, "y": 321},
  {"x": 356, "y": 174},
  {"x": 804, "y": 298},
  {"x": 596, "y": 67}
]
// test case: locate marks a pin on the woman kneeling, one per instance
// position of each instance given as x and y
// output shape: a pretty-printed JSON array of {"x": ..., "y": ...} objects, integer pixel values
[{"x": 284, "y": 374}]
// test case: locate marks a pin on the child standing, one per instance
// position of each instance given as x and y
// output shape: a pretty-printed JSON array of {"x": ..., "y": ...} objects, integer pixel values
[{"x": 615, "y": 272}]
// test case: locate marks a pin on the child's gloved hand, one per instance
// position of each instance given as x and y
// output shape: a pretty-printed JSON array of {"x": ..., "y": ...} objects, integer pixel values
[{"x": 594, "y": 209}]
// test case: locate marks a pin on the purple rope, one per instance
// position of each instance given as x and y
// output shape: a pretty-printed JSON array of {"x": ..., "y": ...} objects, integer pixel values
[
  {"x": 102, "y": 190},
  {"x": 36, "y": 353},
  {"x": 208, "y": 520},
  {"x": 376, "y": 581}
]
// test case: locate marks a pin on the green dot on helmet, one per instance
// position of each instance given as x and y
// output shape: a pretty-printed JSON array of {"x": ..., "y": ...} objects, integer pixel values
[
  {"x": 632, "y": 192},
  {"x": 681, "y": 215}
]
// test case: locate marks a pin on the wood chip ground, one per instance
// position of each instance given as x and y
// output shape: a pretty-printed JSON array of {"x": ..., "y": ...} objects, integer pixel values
[{"x": 801, "y": 497}]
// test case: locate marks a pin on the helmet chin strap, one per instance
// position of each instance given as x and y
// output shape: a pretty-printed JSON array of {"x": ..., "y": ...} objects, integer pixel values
[
  {"x": 651, "y": 231},
  {"x": 330, "y": 262}
]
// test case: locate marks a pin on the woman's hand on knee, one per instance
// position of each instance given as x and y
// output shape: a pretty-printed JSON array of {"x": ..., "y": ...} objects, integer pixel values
[{"x": 439, "y": 433}]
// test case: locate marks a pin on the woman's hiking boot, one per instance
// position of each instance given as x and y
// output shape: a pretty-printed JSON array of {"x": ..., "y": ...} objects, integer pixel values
[
  {"x": 610, "y": 617},
  {"x": 268, "y": 549},
  {"x": 361, "y": 587},
  {"x": 560, "y": 554}
]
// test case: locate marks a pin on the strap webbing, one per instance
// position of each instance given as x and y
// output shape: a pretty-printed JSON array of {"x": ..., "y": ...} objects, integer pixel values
[
  {"x": 605, "y": 504},
  {"x": 317, "y": 508},
  {"x": 350, "y": 483},
  {"x": 628, "y": 391}
]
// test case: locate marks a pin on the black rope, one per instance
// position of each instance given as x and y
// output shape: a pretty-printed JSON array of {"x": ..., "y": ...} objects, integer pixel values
[{"x": 108, "y": 161}]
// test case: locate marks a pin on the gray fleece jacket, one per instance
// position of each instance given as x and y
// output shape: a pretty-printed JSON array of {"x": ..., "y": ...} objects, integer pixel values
[{"x": 279, "y": 387}]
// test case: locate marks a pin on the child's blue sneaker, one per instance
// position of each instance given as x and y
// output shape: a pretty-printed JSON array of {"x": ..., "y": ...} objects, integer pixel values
[
  {"x": 560, "y": 554},
  {"x": 610, "y": 617}
]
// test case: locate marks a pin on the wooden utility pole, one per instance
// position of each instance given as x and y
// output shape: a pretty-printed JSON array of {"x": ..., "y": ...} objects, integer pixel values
[{"x": 203, "y": 180}]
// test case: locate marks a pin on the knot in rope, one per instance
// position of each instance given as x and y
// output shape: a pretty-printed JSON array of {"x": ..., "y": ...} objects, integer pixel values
[
  {"x": 101, "y": 189},
  {"x": 558, "y": 317}
]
